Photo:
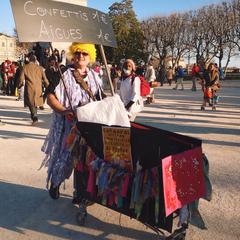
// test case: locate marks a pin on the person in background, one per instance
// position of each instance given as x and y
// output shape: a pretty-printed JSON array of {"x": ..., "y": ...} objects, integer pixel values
[
  {"x": 1, "y": 79},
  {"x": 114, "y": 76},
  {"x": 210, "y": 85},
  {"x": 140, "y": 71},
  {"x": 56, "y": 54},
  {"x": 97, "y": 68},
  {"x": 46, "y": 55},
  {"x": 33, "y": 75},
  {"x": 150, "y": 77},
  {"x": 221, "y": 73},
  {"x": 52, "y": 73},
  {"x": 162, "y": 75},
  {"x": 195, "y": 74},
  {"x": 38, "y": 52},
  {"x": 52, "y": 70},
  {"x": 63, "y": 58},
  {"x": 11, "y": 74},
  {"x": 20, "y": 95},
  {"x": 170, "y": 75},
  {"x": 130, "y": 89},
  {"x": 179, "y": 76}
]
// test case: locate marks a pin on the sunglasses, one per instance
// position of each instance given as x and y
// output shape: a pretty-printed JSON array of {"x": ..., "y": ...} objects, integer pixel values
[{"x": 83, "y": 54}]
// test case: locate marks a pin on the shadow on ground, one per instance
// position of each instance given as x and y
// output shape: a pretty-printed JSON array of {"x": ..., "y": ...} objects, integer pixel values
[{"x": 27, "y": 208}]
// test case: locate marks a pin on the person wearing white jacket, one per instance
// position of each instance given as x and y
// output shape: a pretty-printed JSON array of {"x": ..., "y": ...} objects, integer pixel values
[
  {"x": 150, "y": 77},
  {"x": 130, "y": 89}
]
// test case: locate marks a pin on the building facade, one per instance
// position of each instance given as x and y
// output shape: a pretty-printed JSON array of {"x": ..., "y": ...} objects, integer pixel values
[{"x": 7, "y": 48}]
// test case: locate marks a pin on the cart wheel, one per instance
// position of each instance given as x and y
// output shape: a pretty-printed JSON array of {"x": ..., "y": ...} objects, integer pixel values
[
  {"x": 179, "y": 234},
  {"x": 202, "y": 108},
  {"x": 81, "y": 218},
  {"x": 82, "y": 214}
]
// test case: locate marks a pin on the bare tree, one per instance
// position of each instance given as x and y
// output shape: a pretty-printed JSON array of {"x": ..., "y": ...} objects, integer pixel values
[
  {"x": 21, "y": 48},
  {"x": 156, "y": 32},
  {"x": 179, "y": 33},
  {"x": 209, "y": 32}
]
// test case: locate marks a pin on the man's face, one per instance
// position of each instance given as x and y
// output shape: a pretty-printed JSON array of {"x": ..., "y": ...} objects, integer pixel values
[{"x": 52, "y": 63}]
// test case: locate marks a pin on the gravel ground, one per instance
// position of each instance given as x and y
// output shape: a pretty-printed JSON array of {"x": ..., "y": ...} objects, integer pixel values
[{"x": 26, "y": 211}]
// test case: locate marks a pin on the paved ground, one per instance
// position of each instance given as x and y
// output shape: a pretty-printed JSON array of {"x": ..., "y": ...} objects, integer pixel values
[{"x": 26, "y": 211}]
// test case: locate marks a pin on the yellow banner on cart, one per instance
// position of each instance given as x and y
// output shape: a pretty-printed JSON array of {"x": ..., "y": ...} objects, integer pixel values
[{"x": 117, "y": 146}]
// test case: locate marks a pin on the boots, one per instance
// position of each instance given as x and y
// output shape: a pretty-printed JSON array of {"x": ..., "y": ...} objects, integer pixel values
[{"x": 54, "y": 191}]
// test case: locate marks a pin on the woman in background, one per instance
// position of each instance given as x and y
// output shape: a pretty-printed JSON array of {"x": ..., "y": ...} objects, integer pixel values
[{"x": 130, "y": 89}]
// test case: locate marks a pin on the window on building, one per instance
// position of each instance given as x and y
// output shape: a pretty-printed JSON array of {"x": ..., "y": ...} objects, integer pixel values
[
  {"x": 11, "y": 45},
  {"x": 3, "y": 44}
]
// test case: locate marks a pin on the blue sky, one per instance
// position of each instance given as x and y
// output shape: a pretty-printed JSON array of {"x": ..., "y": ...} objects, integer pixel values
[{"x": 143, "y": 9}]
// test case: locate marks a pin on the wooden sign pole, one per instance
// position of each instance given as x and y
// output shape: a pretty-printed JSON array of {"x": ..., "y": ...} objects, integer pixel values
[{"x": 106, "y": 67}]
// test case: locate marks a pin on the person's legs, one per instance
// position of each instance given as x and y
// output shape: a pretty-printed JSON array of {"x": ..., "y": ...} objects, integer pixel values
[
  {"x": 170, "y": 81},
  {"x": 8, "y": 88},
  {"x": 204, "y": 103},
  {"x": 177, "y": 83},
  {"x": 33, "y": 111},
  {"x": 21, "y": 93},
  {"x": 152, "y": 99},
  {"x": 114, "y": 81},
  {"x": 181, "y": 82},
  {"x": 194, "y": 88},
  {"x": 12, "y": 87}
]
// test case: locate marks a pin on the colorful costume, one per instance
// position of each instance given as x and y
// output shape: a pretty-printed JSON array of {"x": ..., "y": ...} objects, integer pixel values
[{"x": 58, "y": 154}]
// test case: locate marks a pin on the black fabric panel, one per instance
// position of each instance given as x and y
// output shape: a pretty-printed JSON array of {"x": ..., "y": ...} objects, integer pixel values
[{"x": 149, "y": 146}]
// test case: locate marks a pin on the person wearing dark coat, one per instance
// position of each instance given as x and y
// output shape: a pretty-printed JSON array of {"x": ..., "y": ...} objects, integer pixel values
[{"x": 33, "y": 75}]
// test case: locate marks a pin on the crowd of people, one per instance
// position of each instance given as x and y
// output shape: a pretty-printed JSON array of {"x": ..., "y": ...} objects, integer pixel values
[
  {"x": 28, "y": 79},
  {"x": 41, "y": 66}
]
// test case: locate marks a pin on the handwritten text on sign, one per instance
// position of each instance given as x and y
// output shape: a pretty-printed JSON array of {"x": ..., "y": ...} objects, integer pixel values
[
  {"x": 117, "y": 146},
  {"x": 49, "y": 21}
]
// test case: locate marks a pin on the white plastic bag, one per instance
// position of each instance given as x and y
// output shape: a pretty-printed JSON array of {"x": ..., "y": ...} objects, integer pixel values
[{"x": 109, "y": 111}]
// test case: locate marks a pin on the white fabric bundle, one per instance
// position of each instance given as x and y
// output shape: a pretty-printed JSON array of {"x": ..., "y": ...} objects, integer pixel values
[{"x": 109, "y": 111}]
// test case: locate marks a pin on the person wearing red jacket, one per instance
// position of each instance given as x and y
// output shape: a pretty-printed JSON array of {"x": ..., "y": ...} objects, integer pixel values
[{"x": 195, "y": 75}]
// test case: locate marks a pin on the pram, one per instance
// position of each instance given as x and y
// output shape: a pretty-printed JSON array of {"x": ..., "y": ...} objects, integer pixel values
[{"x": 159, "y": 196}]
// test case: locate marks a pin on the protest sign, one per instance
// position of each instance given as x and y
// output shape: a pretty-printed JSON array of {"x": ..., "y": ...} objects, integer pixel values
[
  {"x": 49, "y": 21},
  {"x": 117, "y": 146}
]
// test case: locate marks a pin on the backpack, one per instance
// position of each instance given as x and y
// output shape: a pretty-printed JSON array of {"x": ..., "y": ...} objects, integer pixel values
[{"x": 144, "y": 85}]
